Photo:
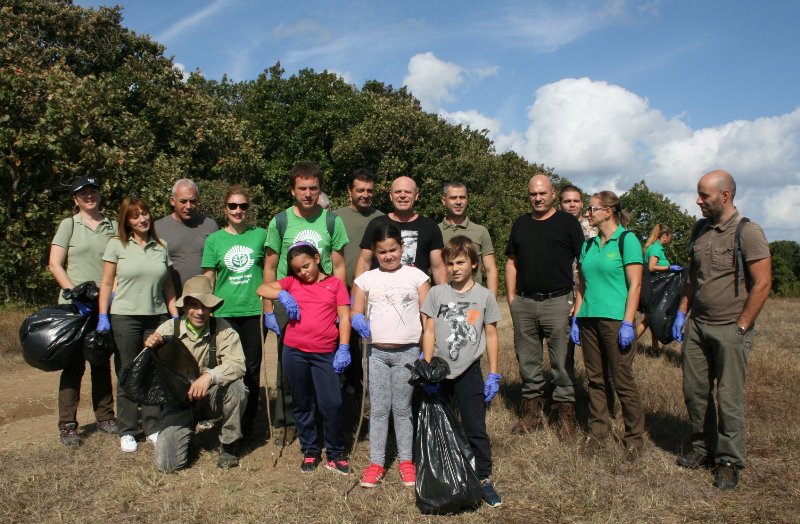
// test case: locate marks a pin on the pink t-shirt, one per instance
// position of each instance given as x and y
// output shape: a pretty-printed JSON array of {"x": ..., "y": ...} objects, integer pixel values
[
  {"x": 393, "y": 304},
  {"x": 316, "y": 331}
]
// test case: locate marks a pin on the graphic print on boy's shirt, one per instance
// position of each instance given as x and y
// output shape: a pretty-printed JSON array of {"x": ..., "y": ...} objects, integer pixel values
[{"x": 461, "y": 323}]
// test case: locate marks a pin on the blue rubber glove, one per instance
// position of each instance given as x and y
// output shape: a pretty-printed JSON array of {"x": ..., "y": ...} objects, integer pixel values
[
  {"x": 271, "y": 323},
  {"x": 103, "y": 324},
  {"x": 675, "y": 268},
  {"x": 290, "y": 304},
  {"x": 575, "y": 332},
  {"x": 491, "y": 387},
  {"x": 431, "y": 389},
  {"x": 677, "y": 326},
  {"x": 341, "y": 359},
  {"x": 82, "y": 307},
  {"x": 626, "y": 334},
  {"x": 361, "y": 325}
]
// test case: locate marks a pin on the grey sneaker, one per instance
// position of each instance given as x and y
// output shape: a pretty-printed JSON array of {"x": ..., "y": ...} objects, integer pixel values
[
  {"x": 69, "y": 435},
  {"x": 108, "y": 426}
]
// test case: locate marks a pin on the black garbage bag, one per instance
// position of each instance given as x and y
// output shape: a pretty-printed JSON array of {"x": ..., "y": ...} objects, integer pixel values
[
  {"x": 86, "y": 292},
  {"x": 98, "y": 346},
  {"x": 53, "y": 336},
  {"x": 162, "y": 376},
  {"x": 423, "y": 372},
  {"x": 661, "y": 295},
  {"x": 446, "y": 478}
]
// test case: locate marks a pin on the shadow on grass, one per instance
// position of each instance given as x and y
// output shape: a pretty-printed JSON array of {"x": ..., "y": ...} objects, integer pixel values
[
  {"x": 667, "y": 431},
  {"x": 670, "y": 354}
]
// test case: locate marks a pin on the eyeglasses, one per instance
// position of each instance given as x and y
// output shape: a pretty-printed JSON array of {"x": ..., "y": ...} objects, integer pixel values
[
  {"x": 592, "y": 209},
  {"x": 233, "y": 205}
]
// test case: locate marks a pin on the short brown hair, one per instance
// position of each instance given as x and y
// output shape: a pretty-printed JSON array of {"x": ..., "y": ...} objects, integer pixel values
[
  {"x": 458, "y": 246},
  {"x": 305, "y": 169}
]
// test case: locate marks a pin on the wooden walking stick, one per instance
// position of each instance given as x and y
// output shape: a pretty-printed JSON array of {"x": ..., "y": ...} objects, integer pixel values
[
  {"x": 364, "y": 378},
  {"x": 264, "y": 377}
]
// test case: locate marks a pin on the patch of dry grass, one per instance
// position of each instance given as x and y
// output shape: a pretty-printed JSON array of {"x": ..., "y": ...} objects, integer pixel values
[
  {"x": 10, "y": 348},
  {"x": 540, "y": 478}
]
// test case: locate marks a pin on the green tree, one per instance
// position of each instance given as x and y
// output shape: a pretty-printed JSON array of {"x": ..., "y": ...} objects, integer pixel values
[{"x": 785, "y": 267}]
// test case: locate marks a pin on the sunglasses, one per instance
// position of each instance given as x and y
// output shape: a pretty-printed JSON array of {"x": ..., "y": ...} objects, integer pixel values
[{"x": 233, "y": 205}]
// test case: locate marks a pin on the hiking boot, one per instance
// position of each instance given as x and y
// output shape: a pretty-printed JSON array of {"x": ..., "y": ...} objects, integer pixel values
[
  {"x": 408, "y": 472},
  {"x": 565, "y": 413},
  {"x": 530, "y": 416},
  {"x": 128, "y": 444},
  {"x": 727, "y": 476},
  {"x": 693, "y": 460},
  {"x": 69, "y": 435},
  {"x": 108, "y": 426},
  {"x": 372, "y": 476},
  {"x": 310, "y": 463},
  {"x": 489, "y": 495},
  {"x": 228, "y": 457},
  {"x": 339, "y": 465}
]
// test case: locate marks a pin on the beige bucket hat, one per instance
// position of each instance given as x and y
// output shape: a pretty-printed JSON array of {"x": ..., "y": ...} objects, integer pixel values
[{"x": 199, "y": 287}]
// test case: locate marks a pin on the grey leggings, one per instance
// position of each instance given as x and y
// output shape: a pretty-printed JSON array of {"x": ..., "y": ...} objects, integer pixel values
[{"x": 389, "y": 390}]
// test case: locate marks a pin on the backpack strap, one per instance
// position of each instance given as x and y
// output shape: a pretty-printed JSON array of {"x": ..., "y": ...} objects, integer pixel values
[
  {"x": 281, "y": 222},
  {"x": 212, "y": 343},
  {"x": 698, "y": 227},
  {"x": 330, "y": 222},
  {"x": 621, "y": 245},
  {"x": 738, "y": 260}
]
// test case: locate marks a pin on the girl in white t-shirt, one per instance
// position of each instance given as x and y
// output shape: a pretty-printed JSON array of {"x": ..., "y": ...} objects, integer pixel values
[{"x": 392, "y": 295}]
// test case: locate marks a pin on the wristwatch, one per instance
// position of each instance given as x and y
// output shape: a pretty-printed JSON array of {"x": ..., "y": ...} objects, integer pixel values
[{"x": 741, "y": 330}]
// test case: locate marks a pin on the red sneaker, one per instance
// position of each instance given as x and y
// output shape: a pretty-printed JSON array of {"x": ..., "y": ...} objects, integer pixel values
[
  {"x": 373, "y": 475},
  {"x": 408, "y": 472}
]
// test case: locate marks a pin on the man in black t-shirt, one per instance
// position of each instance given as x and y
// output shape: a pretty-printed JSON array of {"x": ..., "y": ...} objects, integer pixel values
[
  {"x": 422, "y": 238},
  {"x": 539, "y": 286}
]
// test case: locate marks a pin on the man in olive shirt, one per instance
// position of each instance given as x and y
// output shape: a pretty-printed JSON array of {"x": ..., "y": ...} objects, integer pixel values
[
  {"x": 725, "y": 293},
  {"x": 456, "y": 222},
  {"x": 185, "y": 230},
  {"x": 218, "y": 391}
]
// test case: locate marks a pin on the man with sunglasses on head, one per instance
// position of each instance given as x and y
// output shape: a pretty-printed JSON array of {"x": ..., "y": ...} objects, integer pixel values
[
  {"x": 539, "y": 286},
  {"x": 185, "y": 231}
]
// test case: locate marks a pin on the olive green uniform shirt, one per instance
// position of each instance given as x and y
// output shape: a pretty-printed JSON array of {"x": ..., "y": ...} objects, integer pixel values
[
  {"x": 141, "y": 272},
  {"x": 478, "y": 234},
  {"x": 85, "y": 248}
]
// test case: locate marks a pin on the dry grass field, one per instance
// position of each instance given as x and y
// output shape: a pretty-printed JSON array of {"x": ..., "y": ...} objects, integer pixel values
[{"x": 540, "y": 478}]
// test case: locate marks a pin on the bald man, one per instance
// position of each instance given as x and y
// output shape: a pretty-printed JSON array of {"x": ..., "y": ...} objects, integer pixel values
[
  {"x": 422, "y": 238},
  {"x": 724, "y": 292},
  {"x": 541, "y": 250}
]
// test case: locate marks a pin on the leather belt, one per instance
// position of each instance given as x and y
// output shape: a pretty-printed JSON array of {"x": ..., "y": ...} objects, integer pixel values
[{"x": 539, "y": 297}]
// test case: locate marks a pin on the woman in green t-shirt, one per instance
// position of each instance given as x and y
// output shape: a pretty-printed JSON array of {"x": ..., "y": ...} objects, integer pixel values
[
  {"x": 610, "y": 281},
  {"x": 656, "y": 261},
  {"x": 233, "y": 259},
  {"x": 76, "y": 257}
]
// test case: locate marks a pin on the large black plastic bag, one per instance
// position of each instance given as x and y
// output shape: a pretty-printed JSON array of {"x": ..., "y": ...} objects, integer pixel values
[
  {"x": 86, "y": 292},
  {"x": 446, "y": 478},
  {"x": 661, "y": 295},
  {"x": 53, "y": 336},
  {"x": 98, "y": 346},
  {"x": 163, "y": 376}
]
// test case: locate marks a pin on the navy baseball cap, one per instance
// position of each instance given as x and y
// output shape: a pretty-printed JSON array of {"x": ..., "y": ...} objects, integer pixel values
[{"x": 82, "y": 182}]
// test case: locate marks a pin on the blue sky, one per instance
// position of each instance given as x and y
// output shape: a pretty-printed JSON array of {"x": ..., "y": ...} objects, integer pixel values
[{"x": 605, "y": 92}]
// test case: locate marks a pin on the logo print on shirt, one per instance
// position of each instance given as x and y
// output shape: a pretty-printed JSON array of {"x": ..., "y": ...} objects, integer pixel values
[
  {"x": 238, "y": 259},
  {"x": 410, "y": 243},
  {"x": 461, "y": 322},
  {"x": 308, "y": 235}
]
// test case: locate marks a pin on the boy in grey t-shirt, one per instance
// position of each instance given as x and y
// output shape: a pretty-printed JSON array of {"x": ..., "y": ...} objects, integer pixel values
[{"x": 460, "y": 323}]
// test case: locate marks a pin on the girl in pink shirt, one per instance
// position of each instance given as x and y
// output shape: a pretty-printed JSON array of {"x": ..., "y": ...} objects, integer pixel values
[
  {"x": 312, "y": 360},
  {"x": 392, "y": 293}
]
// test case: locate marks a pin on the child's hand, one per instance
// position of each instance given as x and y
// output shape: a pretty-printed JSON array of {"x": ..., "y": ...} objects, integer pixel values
[
  {"x": 290, "y": 304},
  {"x": 361, "y": 325},
  {"x": 491, "y": 387},
  {"x": 341, "y": 359},
  {"x": 271, "y": 323}
]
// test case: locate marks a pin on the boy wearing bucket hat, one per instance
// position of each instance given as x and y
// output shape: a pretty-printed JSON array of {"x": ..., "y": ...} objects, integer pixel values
[{"x": 219, "y": 390}]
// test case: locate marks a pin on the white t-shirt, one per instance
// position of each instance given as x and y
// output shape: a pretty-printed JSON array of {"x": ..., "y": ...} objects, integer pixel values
[{"x": 393, "y": 304}]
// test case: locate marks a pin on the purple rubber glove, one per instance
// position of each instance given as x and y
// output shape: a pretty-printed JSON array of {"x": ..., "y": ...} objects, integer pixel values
[
  {"x": 575, "y": 332},
  {"x": 82, "y": 307},
  {"x": 103, "y": 324},
  {"x": 675, "y": 268},
  {"x": 341, "y": 359},
  {"x": 491, "y": 387},
  {"x": 431, "y": 389},
  {"x": 677, "y": 326},
  {"x": 361, "y": 325},
  {"x": 626, "y": 334},
  {"x": 290, "y": 304},
  {"x": 271, "y": 323}
]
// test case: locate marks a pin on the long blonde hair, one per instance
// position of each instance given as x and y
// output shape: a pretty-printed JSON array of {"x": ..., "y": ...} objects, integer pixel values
[{"x": 658, "y": 231}]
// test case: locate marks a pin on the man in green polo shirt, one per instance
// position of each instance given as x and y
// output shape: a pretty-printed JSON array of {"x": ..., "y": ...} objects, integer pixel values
[{"x": 456, "y": 222}]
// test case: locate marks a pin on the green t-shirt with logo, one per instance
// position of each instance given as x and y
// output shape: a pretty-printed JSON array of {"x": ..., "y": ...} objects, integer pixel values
[
  {"x": 656, "y": 250},
  {"x": 239, "y": 263},
  {"x": 313, "y": 230}
]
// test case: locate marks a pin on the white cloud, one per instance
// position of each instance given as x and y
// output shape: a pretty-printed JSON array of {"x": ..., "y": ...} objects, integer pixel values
[
  {"x": 180, "y": 68},
  {"x": 433, "y": 81},
  {"x": 189, "y": 22},
  {"x": 309, "y": 30}
]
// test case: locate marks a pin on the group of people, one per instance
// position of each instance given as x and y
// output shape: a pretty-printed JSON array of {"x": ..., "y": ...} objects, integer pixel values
[{"x": 325, "y": 280}]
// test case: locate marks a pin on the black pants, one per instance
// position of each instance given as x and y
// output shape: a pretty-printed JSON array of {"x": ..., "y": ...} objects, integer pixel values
[
  {"x": 467, "y": 391},
  {"x": 249, "y": 330}
]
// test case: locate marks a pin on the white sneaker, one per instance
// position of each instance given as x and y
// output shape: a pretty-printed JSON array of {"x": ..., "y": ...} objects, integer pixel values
[
  {"x": 128, "y": 444},
  {"x": 152, "y": 439}
]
